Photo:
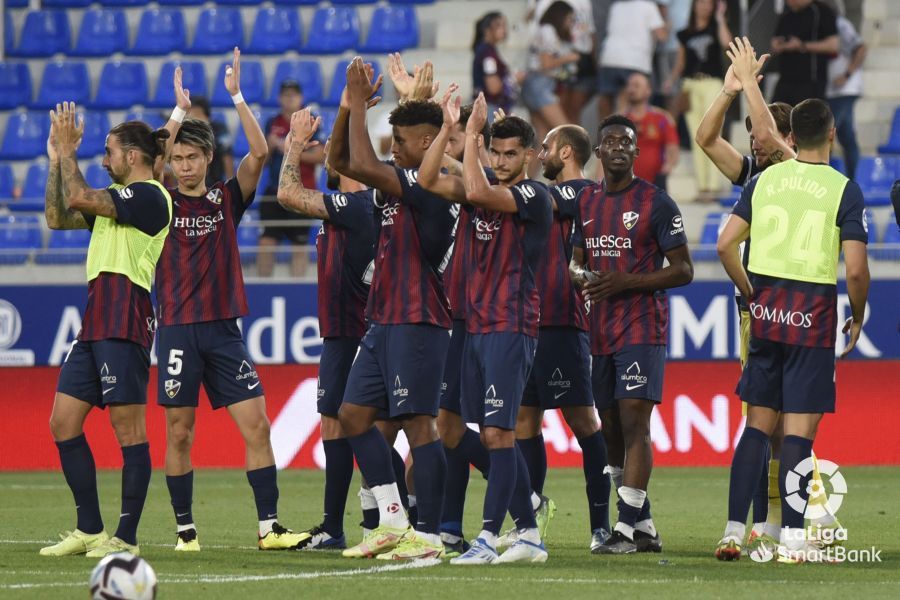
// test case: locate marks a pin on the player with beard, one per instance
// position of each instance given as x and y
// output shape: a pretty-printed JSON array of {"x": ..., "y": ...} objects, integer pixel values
[
  {"x": 200, "y": 289},
  {"x": 510, "y": 223},
  {"x": 345, "y": 248},
  {"x": 625, "y": 228},
  {"x": 561, "y": 376},
  {"x": 401, "y": 358}
]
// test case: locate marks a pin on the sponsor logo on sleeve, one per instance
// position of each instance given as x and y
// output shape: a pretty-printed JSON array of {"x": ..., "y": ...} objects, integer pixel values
[
  {"x": 677, "y": 225},
  {"x": 126, "y": 193}
]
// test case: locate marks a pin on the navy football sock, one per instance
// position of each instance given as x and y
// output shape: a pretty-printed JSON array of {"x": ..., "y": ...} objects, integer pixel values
[
  {"x": 399, "y": 467},
  {"x": 761, "y": 494},
  {"x": 455, "y": 491},
  {"x": 520, "y": 507},
  {"x": 81, "y": 476},
  {"x": 181, "y": 492},
  {"x": 474, "y": 451},
  {"x": 430, "y": 473},
  {"x": 500, "y": 486},
  {"x": 535, "y": 453},
  {"x": 645, "y": 510},
  {"x": 794, "y": 449},
  {"x": 371, "y": 518},
  {"x": 264, "y": 482},
  {"x": 748, "y": 463},
  {"x": 373, "y": 456},
  {"x": 135, "y": 481},
  {"x": 338, "y": 474},
  {"x": 597, "y": 484}
]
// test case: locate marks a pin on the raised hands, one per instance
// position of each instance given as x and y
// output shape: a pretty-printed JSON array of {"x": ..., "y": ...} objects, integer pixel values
[
  {"x": 65, "y": 129},
  {"x": 450, "y": 106},
  {"x": 360, "y": 86},
  {"x": 418, "y": 86},
  {"x": 746, "y": 67},
  {"x": 479, "y": 115},
  {"x": 182, "y": 96},
  {"x": 233, "y": 74},
  {"x": 303, "y": 127}
]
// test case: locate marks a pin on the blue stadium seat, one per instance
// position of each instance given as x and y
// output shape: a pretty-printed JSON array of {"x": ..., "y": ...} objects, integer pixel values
[
  {"x": 875, "y": 174},
  {"x": 151, "y": 118},
  {"x": 64, "y": 81},
  {"x": 103, "y": 32},
  {"x": 708, "y": 237},
  {"x": 218, "y": 30},
  {"x": 248, "y": 237},
  {"x": 240, "y": 147},
  {"x": 354, "y": 1},
  {"x": 296, "y": 2},
  {"x": 96, "y": 176},
  {"x": 306, "y": 72},
  {"x": 15, "y": 85},
  {"x": 32, "y": 189},
  {"x": 275, "y": 31},
  {"x": 329, "y": 115},
  {"x": 393, "y": 28},
  {"x": 893, "y": 143},
  {"x": 9, "y": 37},
  {"x": 7, "y": 183},
  {"x": 19, "y": 236},
  {"x": 122, "y": 85},
  {"x": 180, "y": 2},
  {"x": 837, "y": 163},
  {"x": 64, "y": 3},
  {"x": 733, "y": 196},
  {"x": 124, "y": 2},
  {"x": 160, "y": 31},
  {"x": 96, "y": 126},
  {"x": 237, "y": 2},
  {"x": 17, "y": 3},
  {"x": 412, "y": 1},
  {"x": 253, "y": 84},
  {"x": 65, "y": 247},
  {"x": 339, "y": 79},
  {"x": 25, "y": 136},
  {"x": 334, "y": 29},
  {"x": 45, "y": 33},
  {"x": 193, "y": 77},
  {"x": 890, "y": 237}
]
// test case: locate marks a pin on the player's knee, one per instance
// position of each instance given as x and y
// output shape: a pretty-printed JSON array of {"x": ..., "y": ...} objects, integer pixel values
[
  {"x": 495, "y": 438},
  {"x": 256, "y": 432},
  {"x": 420, "y": 430},
  {"x": 179, "y": 437},
  {"x": 450, "y": 428},
  {"x": 61, "y": 429},
  {"x": 583, "y": 428},
  {"x": 129, "y": 432}
]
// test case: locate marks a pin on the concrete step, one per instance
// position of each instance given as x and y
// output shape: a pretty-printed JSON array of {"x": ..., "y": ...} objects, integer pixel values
[
  {"x": 882, "y": 58},
  {"x": 881, "y": 9}
]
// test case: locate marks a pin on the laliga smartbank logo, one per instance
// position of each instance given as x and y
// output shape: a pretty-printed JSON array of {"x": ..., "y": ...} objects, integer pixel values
[{"x": 822, "y": 497}]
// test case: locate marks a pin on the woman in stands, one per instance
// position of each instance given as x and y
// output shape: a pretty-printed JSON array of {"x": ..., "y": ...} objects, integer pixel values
[{"x": 490, "y": 74}]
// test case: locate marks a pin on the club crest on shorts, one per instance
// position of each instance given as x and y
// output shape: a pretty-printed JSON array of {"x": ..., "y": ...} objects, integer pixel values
[
  {"x": 630, "y": 219},
  {"x": 173, "y": 386}
]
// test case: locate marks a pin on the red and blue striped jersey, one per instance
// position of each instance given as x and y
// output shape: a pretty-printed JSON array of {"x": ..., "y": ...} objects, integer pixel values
[
  {"x": 800, "y": 312},
  {"x": 410, "y": 257},
  {"x": 455, "y": 274},
  {"x": 198, "y": 276},
  {"x": 561, "y": 302},
  {"x": 504, "y": 251},
  {"x": 346, "y": 248},
  {"x": 628, "y": 231}
]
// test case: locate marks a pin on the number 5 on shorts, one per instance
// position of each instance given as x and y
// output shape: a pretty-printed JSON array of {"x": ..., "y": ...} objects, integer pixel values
[{"x": 175, "y": 361}]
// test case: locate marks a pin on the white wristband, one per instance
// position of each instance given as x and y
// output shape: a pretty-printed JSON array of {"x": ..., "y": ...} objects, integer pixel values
[
  {"x": 178, "y": 114},
  {"x": 237, "y": 98}
]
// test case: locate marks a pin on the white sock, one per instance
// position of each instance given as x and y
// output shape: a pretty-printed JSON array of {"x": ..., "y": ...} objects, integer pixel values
[
  {"x": 626, "y": 530},
  {"x": 367, "y": 499},
  {"x": 736, "y": 530},
  {"x": 185, "y": 527},
  {"x": 489, "y": 538},
  {"x": 432, "y": 538},
  {"x": 390, "y": 508},
  {"x": 646, "y": 526},
  {"x": 535, "y": 501},
  {"x": 758, "y": 529},
  {"x": 632, "y": 496},
  {"x": 265, "y": 527},
  {"x": 793, "y": 538},
  {"x": 773, "y": 531},
  {"x": 616, "y": 474},
  {"x": 530, "y": 535},
  {"x": 411, "y": 499},
  {"x": 449, "y": 538}
]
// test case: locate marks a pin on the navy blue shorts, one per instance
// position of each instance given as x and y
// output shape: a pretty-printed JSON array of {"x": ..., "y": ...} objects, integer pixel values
[
  {"x": 561, "y": 375},
  {"x": 494, "y": 370},
  {"x": 632, "y": 372},
  {"x": 399, "y": 369},
  {"x": 450, "y": 388},
  {"x": 611, "y": 80},
  {"x": 212, "y": 353},
  {"x": 788, "y": 378},
  {"x": 106, "y": 372},
  {"x": 334, "y": 368}
]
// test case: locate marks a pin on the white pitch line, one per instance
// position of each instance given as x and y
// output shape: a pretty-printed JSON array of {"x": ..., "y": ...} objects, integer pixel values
[
  {"x": 150, "y": 544},
  {"x": 416, "y": 564}
]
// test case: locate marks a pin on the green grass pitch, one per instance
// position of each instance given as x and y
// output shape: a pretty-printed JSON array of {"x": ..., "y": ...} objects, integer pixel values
[{"x": 689, "y": 506}]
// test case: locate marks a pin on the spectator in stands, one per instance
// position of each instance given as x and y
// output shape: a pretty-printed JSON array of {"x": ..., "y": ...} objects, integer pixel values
[
  {"x": 575, "y": 92},
  {"x": 844, "y": 89},
  {"x": 699, "y": 61},
  {"x": 551, "y": 59},
  {"x": 657, "y": 136},
  {"x": 805, "y": 36},
  {"x": 632, "y": 30},
  {"x": 290, "y": 100},
  {"x": 490, "y": 74},
  {"x": 221, "y": 168}
]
